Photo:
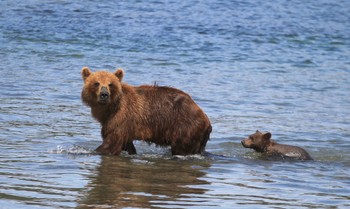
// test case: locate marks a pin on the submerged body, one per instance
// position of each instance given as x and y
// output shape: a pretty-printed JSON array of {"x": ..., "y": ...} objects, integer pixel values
[
  {"x": 161, "y": 115},
  {"x": 261, "y": 142}
]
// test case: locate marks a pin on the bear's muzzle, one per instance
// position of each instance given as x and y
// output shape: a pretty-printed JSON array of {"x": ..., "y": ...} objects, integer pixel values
[{"x": 104, "y": 95}]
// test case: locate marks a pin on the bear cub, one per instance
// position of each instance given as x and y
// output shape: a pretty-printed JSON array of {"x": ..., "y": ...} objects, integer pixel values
[
  {"x": 261, "y": 142},
  {"x": 161, "y": 115}
]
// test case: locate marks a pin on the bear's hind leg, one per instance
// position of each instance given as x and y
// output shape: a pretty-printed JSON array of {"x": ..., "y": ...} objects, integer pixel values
[{"x": 181, "y": 148}]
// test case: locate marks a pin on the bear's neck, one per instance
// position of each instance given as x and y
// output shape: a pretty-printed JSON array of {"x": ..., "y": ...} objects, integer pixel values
[
  {"x": 266, "y": 147},
  {"x": 272, "y": 146},
  {"x": 102, "y": 113}
]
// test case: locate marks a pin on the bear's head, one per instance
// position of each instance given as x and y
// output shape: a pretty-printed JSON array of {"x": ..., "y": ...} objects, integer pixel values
[
  {"x": 101, "y": 87},
  {"x": 258, "y": 141}
]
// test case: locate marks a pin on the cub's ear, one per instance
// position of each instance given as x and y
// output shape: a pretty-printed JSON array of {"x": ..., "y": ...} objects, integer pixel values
[
  {"x": 267, "y": 136},
  {"x": 119, "y": 73},
  {"x": 85, "y": 72}
]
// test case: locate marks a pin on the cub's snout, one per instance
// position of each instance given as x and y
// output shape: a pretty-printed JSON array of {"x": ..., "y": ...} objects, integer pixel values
[{"x": 246, "y": 143}]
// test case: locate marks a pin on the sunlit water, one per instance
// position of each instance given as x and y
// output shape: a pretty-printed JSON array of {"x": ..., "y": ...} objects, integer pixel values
[{"x": 278, "y": 66}]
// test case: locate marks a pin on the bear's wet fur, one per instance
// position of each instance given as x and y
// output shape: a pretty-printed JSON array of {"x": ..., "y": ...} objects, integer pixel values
[
  {"x": 262, "y": 142},
  {"x": 162, "y": 115}
]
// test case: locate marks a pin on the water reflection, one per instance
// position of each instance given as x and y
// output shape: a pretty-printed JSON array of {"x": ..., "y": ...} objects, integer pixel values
[{"x": 143, "y": 183}]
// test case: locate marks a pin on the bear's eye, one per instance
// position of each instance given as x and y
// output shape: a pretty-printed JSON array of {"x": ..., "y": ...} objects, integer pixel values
[
  {"x": 96, "y": 84},
  {"x": 110, "y": 85}
]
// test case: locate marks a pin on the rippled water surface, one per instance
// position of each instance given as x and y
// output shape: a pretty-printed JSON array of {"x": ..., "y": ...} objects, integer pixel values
[{"x": 278, "y": 66}]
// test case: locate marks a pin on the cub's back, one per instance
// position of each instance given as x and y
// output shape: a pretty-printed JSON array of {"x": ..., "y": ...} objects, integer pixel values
[{"x": 292, "y": 151}]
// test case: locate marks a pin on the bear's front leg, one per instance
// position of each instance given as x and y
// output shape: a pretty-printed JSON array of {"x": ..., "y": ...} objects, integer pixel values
[
  {"x": 110, "y": 149},
  {"x": 103, "y": 149},
  {"x": 109, "y": 146},
  {"x": 130, "y": 148},
  {"x": 113, "y": 144}
]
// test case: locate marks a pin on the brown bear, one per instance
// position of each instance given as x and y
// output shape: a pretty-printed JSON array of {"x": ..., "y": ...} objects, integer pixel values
[
  {"x": 261, "y": 142},
  {"x": 161, "y": 115}
]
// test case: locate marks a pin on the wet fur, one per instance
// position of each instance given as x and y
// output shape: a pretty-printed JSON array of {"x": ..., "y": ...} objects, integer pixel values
[
  {"x": 161, "y": 115},
  {"x": 262, "y": 142}
]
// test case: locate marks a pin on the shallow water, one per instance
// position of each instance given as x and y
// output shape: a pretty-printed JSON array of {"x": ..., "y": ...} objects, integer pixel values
[{"x": 282, "y": 67}]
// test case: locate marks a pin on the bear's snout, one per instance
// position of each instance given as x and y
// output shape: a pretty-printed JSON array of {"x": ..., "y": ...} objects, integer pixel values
[
  {"x": 104, "y": 95},
  {"x": 245, "y": 143}
]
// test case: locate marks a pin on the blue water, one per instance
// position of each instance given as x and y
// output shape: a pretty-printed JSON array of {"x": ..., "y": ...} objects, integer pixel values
[{"x": 278, "y": 66}]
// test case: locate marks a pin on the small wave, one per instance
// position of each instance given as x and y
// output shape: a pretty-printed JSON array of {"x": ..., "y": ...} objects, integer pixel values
[
  {"x": 189, "y": 157},
  {"x": 143, "y": 162},
  {"x": 71, "y": 149}
]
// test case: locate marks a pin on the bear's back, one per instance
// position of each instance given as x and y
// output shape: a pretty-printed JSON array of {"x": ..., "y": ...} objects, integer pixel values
[
  {"x": 163, "y": 95},
  {"x": 290, "y": 151},
  {"x": 162, "y": 103}
]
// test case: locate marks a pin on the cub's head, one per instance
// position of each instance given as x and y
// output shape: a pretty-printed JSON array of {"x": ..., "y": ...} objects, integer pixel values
[
  {"x": 258, "y": 141},
  {"x": 101, "y": 87}
]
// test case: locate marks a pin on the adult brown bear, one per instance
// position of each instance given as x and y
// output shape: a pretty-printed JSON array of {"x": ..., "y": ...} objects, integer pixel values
[{"x": 161, "y": 115}]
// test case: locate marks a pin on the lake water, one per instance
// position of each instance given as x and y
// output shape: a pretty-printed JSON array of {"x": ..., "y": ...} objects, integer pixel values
[{"x": 278, "y": 66}]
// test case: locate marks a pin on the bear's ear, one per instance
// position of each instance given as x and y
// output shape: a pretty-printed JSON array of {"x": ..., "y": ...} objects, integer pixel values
[
  {"x": 85, "y": 72},
  {"x": 267, "y": 136},
  {"x": 119, "y": 73}
]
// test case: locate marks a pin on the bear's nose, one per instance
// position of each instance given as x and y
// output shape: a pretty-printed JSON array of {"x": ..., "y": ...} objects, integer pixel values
[{"x": 104, "y": 95}]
